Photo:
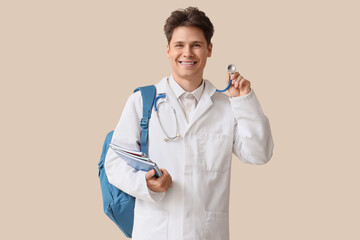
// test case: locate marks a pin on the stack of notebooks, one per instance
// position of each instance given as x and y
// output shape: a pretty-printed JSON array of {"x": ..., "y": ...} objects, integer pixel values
[{"x": 138, "y": 160}]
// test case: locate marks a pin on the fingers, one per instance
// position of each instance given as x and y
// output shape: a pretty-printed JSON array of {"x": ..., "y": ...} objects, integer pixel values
[
  {"x": 150, "y": 174},
  {"x": 235, "y": 75},
  {"x": 232, "y": 77},
  {"x": 241, "y": 82},
  {"x": 166, "y": 184},
  {"x": 167, "y": 180},
  {"x": 161, "y": 184},
  {"x": 237, "y": 80}
]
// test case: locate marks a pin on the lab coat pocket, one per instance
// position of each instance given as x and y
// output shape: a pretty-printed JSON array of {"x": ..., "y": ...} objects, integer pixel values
[
  {"x": 150, "y": 224},
  {"x": 215, "y": 151},
  {"x": 217, "y": 226}
]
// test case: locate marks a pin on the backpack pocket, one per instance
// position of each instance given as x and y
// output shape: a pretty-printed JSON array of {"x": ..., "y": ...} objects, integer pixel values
[{"x": 121, "y": 211}]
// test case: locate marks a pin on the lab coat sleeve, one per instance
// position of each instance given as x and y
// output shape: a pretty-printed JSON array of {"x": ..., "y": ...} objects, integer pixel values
[
  {"x": 253, "y": 141},
  {"x": 127, "y": 134}
]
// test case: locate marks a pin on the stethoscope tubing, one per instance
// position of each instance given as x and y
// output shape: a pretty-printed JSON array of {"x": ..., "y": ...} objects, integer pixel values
[
  {"x": 230, "y": 68},
  {"x": 224, "y": 90},
  {"x": 161, "y": 95}
]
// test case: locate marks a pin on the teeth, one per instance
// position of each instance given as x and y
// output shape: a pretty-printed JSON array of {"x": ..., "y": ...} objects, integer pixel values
[{"x": 187, "y": 63}]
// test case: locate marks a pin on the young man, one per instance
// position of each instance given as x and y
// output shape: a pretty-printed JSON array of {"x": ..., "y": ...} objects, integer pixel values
[{"x": 192, "y": 137}]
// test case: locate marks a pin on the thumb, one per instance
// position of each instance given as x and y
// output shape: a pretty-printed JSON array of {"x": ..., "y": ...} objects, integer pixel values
[
  {"x": 227, "y": 77},
  {"x": 150, "y": 174}
]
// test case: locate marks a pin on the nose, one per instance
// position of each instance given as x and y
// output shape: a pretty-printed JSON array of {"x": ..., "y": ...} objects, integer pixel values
[{"x": 188, "y": 51}]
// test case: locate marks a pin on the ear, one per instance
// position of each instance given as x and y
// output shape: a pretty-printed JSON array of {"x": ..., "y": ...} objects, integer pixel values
[
  {"x": 167, "y": 50},
  {"x": 210, "y": 49}
]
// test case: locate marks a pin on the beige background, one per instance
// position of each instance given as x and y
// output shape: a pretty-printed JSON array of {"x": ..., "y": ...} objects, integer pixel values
[{"x": 67, "y": 68}]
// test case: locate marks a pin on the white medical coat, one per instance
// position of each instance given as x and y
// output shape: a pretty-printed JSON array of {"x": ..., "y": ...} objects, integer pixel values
[{"x": 197, "y": 204}]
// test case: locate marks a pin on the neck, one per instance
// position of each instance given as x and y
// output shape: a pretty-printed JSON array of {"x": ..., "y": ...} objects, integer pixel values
[{"x": 188, "y": 84}]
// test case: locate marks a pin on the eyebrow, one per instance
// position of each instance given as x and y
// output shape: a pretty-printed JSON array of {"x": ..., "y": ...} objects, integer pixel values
[{"x": 191, "y": 42}]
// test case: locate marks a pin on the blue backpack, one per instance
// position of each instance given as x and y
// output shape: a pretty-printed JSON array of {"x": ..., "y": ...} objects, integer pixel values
[{"x": 119, "y": 206}]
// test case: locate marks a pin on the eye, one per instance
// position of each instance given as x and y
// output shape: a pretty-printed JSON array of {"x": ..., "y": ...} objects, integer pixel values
[
  {"x": 179, "y": 45},
  {"x": 197, "y": 45}
]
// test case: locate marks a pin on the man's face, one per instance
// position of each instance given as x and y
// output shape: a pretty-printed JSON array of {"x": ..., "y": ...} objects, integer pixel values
[{"x": 188, "y": 52}]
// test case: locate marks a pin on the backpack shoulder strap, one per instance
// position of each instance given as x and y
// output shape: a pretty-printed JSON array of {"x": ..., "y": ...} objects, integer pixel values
[{"x": 148, "y": 95}]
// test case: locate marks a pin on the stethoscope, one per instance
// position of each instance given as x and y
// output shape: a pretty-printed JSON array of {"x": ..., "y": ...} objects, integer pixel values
[{"x": 230, "y": 69}]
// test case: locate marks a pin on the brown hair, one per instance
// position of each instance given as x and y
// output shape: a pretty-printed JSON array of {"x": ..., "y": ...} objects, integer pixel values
[{"x": 190, "y": 16}]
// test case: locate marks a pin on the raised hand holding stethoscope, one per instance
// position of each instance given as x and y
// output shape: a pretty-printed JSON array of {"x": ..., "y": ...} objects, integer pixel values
[{"x": 237, "y": 84}]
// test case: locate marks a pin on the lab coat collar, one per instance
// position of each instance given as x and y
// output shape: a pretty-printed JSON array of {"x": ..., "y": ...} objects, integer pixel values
[
  {"x": 204, "y": 103},
  {"x": 178, "y": 90},
  {"x": 164, "y": 87}
]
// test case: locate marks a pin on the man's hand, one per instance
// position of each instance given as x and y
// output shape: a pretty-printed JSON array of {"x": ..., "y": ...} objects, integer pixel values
[
  {"x": 161, "y": 184},
  {"x": 239, "y": 85}
]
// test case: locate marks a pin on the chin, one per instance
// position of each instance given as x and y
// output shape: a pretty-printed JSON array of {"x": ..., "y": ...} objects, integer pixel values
[{"x": 187, "y": 76}]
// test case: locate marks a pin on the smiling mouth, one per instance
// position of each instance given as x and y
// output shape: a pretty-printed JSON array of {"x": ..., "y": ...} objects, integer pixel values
[{"x": 187, "y": 63}]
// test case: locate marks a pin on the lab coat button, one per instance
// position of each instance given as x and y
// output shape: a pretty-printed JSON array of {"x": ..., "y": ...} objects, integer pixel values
[{"x": 188, "y": 214}]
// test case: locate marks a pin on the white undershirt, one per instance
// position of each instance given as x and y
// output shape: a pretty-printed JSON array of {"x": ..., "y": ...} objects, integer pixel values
[{"x": 187, "y": 100}]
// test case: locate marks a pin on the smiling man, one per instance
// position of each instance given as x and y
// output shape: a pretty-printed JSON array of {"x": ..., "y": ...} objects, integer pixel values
[
  {"x": 192, "y": 137},
  {"x": 188, "y": 51}
]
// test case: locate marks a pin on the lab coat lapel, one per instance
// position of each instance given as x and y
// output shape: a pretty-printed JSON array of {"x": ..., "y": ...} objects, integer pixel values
[
  {"x": 164, "y": 87},
  {"x": 205, "y": 102}
]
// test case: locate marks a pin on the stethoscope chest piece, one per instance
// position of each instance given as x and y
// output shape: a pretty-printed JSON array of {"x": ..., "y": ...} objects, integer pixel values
[{"x": 231, "y": 68}]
